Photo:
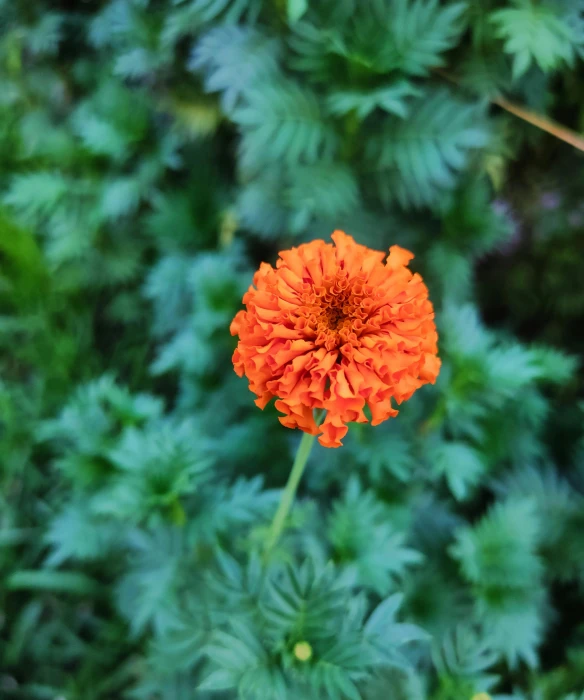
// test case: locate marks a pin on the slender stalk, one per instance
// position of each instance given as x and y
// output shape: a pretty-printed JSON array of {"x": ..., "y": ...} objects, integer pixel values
[
  {"x": 287, "y": 499},
  {"x": 540, "y": 121}
]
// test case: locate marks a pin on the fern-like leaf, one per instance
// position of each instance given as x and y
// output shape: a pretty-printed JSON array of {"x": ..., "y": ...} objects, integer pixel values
[
  {"x": 420, "y": 32},
  {"x": 282, "y": 122},
  {"x": 461, "y": 465},
  {"x": 500, "y": 551},
  {"x": 464, "y": 653},
  {"x": 393, "y": 98},
  {"x": 365, "y": 544},
  {"x": 533, "y": 32},
  {"x": 384, "y": 36},
  {"x": 233, "y": 59},
  {"x": 36, "y": 195},
  {"x": 325, "y": 190},
  {"x": 417, "y": 160}
]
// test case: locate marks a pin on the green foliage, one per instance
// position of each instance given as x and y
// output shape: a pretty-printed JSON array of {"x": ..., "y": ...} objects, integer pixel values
[
  {"x": 306, "y": 632},
  {"x": 152, "y": 154},
  {"x": 391, "y": 99},
  {"x": 415, "y": 160},
  {"x": 157, "y": 467},
  {"x": 363, "y": 541},
  {"x": 74, "y": 534},
  {"x": 233, "y": 59},
  {"x": 536, "y": 33},
  {"x": 462, "y": 659},
  {"x": 460, "y": 464},
  {"x": 560, "y": 506},
  {"x": 383, "y": 37},
  {"x": 282, "y": 122},
  {"x": 498, "y": 557},
  {"x": 499, "y": 551}
]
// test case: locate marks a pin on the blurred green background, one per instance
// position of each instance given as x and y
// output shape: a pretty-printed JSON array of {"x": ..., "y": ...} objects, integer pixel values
[{"x": 152, "y": 154}]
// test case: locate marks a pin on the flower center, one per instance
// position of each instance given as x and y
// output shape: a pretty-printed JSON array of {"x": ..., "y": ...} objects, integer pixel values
[
  {"x": 334, "y": 312},
  {"x": 335, "y": 317}
]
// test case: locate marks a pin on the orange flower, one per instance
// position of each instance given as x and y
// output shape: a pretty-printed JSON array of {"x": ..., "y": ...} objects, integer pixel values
[{"x": 336, "y": 328}]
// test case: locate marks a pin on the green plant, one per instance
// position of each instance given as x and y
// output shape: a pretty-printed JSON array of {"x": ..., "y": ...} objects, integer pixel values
[{"x": 152, "y": 154}]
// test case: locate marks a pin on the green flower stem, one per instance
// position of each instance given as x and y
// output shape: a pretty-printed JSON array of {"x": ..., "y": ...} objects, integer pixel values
[{"x": 287, "y": 499}]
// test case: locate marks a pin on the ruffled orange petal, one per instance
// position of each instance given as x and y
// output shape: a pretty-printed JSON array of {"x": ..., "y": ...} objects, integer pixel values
[{"x": 337, "y": 328}]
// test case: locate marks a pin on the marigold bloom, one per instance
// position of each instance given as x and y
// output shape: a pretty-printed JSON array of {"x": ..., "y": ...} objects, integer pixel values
[{"x": 336, "y": 327}]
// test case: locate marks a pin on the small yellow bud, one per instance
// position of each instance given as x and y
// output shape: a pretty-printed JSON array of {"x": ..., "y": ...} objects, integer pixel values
[
  {"x": 481, "y": 696},
  {"x": 303, "y": 652}
]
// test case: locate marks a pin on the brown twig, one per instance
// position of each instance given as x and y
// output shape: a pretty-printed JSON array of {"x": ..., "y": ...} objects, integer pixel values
[
  {"x": 563, "y": 133},
  {"x": 551, "y": 127}
]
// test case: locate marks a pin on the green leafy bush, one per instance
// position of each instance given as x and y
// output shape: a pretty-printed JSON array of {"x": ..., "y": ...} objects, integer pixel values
[{"x": 152, "y": 154}]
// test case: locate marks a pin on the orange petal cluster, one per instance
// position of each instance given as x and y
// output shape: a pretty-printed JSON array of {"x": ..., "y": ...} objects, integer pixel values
[{"x": 336, "y": 327}]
